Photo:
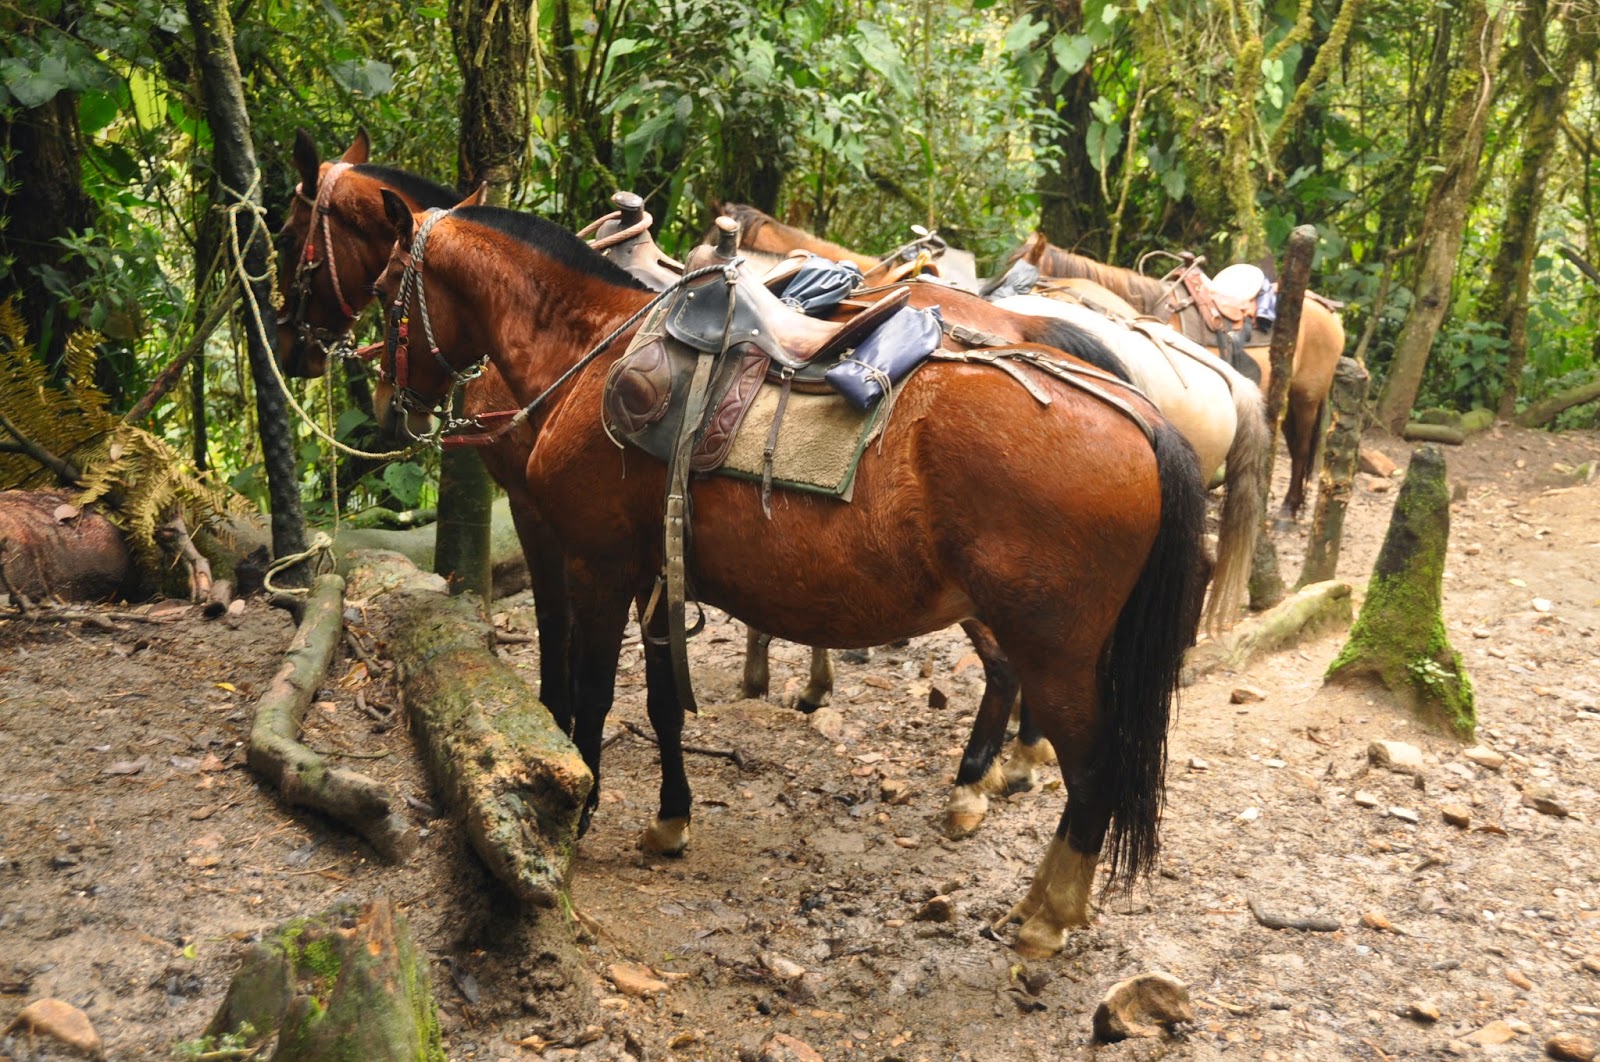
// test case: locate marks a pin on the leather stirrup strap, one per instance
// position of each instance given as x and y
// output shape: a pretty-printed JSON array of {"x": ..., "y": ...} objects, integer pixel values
[{"x": 772, "y": 441}]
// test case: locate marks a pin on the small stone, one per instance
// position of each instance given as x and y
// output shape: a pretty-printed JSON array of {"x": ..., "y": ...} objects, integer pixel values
[
  {"x": 779, "y": 967},
  {"x": 1570, "y": 1047},
  {"x": 1456, "y": 815},
  {"x": 634, "y": 979},
  {"x": 1518, "y": 978},
  {"x": 938, "y": 909},
  {"x": 1377, "y": 920},
  {"x": 1472, "y": 549},
  {"x": 1486, "y": 758},
  {"x": 1542, "y": 799},
  {"x": 1423, "y": 1010},
  {"x": 908, "y": 842},
  {"x": 1364, "y": 799},
  {"x": 1247, "y": 695},
  {"x": 781, "y": 1047},
  {"x": 1543, "y": 604},
  {"x": 1141, "y": 1006},
  {"x": 1376, "y": 462},
  {"x": 1496, "y": 1032},
  {"x": 1395, "y": 756},
  {"x": 1274, "y": 764},
  {"x": 1248, "y": 815},
  {"x": 1404, "y": 815},
  {"x": 1197, "y": 764},
  {"x": 683, "y": 1039},
  {"x": 829, "y": 722},
  {"x": 895, "y": 791},
  {"x": 1482, "y": 632},
  {"x": 60, "y": 1021},
  {"x": 1591, "y": 964},
  {"x": 1521, "y": 1028}
]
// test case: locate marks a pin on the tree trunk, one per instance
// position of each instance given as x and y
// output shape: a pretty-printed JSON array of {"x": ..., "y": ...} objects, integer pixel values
[
  {"x": 1071, "y": 208},
  {"x": 1341, "y": 453},
  {"x": 235, "y": 164},
  {"x": 492, "y": 42},
  {"x": 1399, "y": 638},
  {"x": 1545, "y": 77},
  {"x": 1541, "y": 413},
  {"x": 1445, "y": 213}
]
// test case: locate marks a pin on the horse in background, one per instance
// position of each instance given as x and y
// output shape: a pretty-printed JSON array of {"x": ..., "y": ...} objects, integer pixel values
[
  {"x": 1067, "y": 531},
  {"x": 766, "y": 240},
  {"x": 1317, "y": 352}
]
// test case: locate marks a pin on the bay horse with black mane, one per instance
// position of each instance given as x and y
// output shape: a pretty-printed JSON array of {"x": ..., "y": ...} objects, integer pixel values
[
  {"x": 1317, "y": 351},
  {"x": 1061, "y": 526}
]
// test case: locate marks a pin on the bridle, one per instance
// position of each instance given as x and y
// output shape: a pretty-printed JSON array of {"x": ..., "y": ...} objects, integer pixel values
[{"x": 328, "y": 340}]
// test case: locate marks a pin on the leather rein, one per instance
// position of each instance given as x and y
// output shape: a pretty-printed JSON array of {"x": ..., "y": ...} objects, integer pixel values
[{"x": 295, "y": 309}]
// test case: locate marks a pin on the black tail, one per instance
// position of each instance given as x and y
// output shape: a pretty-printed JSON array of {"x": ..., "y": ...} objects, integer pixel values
[
  {"x": 1139, "y": 675},
  {"x": 1068, "y": 337}
]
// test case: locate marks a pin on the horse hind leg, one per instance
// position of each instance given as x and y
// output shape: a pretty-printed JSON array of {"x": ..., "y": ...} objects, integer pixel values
[
  {"x": 979, "y": 773},
  {"x": 757, "y": 676},
  {"x": 668, "y": 835},
  {"x": 820, "y": 685},
  {"x": 1031, "y": 751}
]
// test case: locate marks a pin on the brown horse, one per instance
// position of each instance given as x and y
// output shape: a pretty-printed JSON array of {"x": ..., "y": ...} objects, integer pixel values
[
  {"x": 1061, "y": 526},
  {"x": 765, "y": 235},
  {"x": 350, "y": 242},
  {"x": 1317, "y": 351}
]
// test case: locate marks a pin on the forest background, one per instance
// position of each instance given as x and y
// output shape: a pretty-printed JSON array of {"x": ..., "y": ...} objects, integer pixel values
[{"x": 1445, "y": 153}]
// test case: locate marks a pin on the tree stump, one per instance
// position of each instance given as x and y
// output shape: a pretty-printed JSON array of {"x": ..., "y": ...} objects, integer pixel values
[
  {"x": 1399, "y": 637},
  {"x": 492, "y": 750},
  {"x": 1341, "y": 453},
  {"x": 347, "y": 983}
]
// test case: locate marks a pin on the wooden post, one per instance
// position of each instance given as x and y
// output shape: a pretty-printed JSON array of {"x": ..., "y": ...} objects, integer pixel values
[
  {"x": 1341, "y": 453},
  {"x": 1399, "y": 639},
  {"x": 1266, "y": 584}
]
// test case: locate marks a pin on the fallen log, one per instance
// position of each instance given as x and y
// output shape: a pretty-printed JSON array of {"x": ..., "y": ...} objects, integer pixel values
[
  {"x": 218, "y": 600},
  {"x": 49, "y": 547},
  {"x": 1308, "y": 612},
  {"x": 347, "y": 983},
  {"x": 1543, "y": 412},
  {"x": 301, "y": 775},
  {"x": 494, "y": 754},
  {"x": 1416, "y": 431}
]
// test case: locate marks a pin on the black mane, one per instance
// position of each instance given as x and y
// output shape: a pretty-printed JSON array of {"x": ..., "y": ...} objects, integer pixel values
[
  {"x": 1066, "y": 336},
  {"x": 551, "y": 240},
  {"x": 422, "y": 191}
]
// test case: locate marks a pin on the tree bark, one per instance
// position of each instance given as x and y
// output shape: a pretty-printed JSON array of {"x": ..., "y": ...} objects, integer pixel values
[
  {"x": 1341, "y": 453},
  {"x": 1541, "y": 413},
  {"x": 1445, "y": 214},
  {"x": 235, "y": 163},
  {"x": 1545, "y": 78},
  {"x": 1071, "y": 208},
  {"x": 1399, "y": 638}
]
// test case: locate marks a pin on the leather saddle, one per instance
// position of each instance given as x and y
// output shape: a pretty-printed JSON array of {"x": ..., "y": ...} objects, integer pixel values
[
  {"x": 638, "y": 254},
  {"x": 753, "y": 337},
  {"x": 1220, "y": 311}
]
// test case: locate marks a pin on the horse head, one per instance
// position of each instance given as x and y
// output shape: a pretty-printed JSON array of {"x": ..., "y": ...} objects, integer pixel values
[
  {"x": 422, "y": 364},
  {"x": 333, "y": 240}
]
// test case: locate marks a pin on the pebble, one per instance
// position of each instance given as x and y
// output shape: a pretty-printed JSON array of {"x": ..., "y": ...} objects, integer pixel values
[
  {"x": 61, "y": 1021},
  {"x": 634, "y": 979},
  {"x": 779, "y": 967},
  {"x": 1247, "y": 695},
  {"x": 1542, "y": 604},
  {"x": 1472, "y": 549},
  {"x": 1395, "y": 756},
  {"x": 1404, "y": 815},
  {"x": 829, "y": 722},
  {"x": 1376, "y": 920},
  {"x": 1364, "y": 799},
  {"x": 1248, "y": 815},
  {"x": 1376, "y": 462},
  {"x": 938, "y": 909},
  {"x": 1518, "y": 978},
  {"x": 908, "y": 842},
  {"x": 895, "y": 791},
  {"x": 1542, "y": 799},
  {"x": 1570, "y": 1047},
  {"x": 781, "y": 1047},
  {"x": 1424, "y": 1010},
  {"x": 1486, "y": 758},
  {"x": 1496, "y": 1032},
  {"x": 1456, "y": 815},
  {"x": 1141, "y": 1006},
  {"x": 1274, "y": 764},
  {"x": 1591, "y": 964},
  {"x": 1197, "y": 764}
]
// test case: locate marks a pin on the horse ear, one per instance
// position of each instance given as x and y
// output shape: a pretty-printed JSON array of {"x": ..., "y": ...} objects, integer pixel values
[
  {"x": 399, "y": 216},
  {"x": 307, "y": 162},
  {"x": 359, "y": 148},
  {"x": 1033, "y": 250},
  {"x": 479, "y": 196}
]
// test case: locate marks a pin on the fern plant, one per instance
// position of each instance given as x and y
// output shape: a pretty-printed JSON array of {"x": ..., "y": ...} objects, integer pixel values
[{"x": 137, "y": 479}]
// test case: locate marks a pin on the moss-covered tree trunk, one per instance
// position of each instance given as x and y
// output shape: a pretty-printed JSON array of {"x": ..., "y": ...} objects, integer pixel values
[
  {"x": 348, "y": 983},
  {"x": 1399, "y": 638},
  {"x": 1072, "y": 212},
  {"x": 1341, "y": 454},
  {"x": 1445, "y": 214}
]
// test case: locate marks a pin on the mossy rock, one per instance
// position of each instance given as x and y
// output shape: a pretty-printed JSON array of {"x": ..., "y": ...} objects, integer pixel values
[
  {"x": 348, "y": 983},
  {"x": 1448, "y": 418},
  {"x": 1476, "y": 420}
]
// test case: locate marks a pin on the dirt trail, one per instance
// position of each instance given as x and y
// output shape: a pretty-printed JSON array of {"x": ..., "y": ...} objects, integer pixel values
[{"x": 135, "y": 852}]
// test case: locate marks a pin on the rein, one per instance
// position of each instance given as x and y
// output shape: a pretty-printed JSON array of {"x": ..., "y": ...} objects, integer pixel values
[{"x": 300, "y": 290}]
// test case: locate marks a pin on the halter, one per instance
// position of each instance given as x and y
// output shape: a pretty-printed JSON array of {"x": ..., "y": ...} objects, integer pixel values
[{"x": 300, "y": 291}]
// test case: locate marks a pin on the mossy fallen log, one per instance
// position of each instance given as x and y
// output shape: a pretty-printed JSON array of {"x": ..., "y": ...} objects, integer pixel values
[
  {"x": 346, "y": 983},
  {"x": 1440, "y": 433},
  {"x": 1308, "y": 612},
  {"x": 492, "y": 750},
  {"x": 301, "y": 775},
  {"x": 1399, "y": 638}
]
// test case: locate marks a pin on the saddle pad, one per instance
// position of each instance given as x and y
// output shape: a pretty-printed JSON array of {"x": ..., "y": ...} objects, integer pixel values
[{"x": 819, "y": 447}]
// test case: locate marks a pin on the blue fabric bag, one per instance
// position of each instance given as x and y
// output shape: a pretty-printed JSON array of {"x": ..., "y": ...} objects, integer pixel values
[
  {"x": 821, "y": 285},
  {"x": 887, "y": 356}
]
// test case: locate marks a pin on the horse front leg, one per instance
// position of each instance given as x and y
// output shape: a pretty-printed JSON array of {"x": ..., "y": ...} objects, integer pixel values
[
  {"x": 757, "y": 676},
  {"x": 595, "y": 643},
  {"x": 979, "y": 775},
  {"x": 669, "y": 834},
  {"x": 550, "y": 609},
  {"x": 820, "y": 686}
]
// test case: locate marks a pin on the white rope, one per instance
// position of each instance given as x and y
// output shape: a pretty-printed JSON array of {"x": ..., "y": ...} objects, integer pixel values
[{"x": 321, "y": 548}]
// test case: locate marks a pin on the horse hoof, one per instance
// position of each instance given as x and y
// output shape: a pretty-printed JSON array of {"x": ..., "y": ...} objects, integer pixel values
[
  {"x": 961, "y": 825},
  {"x": 754, "y": 692},
  {"x": 666, "y": 837},
  {"x": 1035, "y": 940},
  {"x": 808, "y": 704},
  {"x": 1020, "y": 780}
]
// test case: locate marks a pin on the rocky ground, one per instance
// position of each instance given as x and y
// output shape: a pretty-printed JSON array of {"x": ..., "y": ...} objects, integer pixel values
[{"x": 818, "y": 899}]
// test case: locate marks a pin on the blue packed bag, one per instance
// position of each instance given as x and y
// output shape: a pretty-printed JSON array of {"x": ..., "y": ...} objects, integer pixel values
[
  {"x": 820, "y": 285},
  {"x": 887, "y": 356}
]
